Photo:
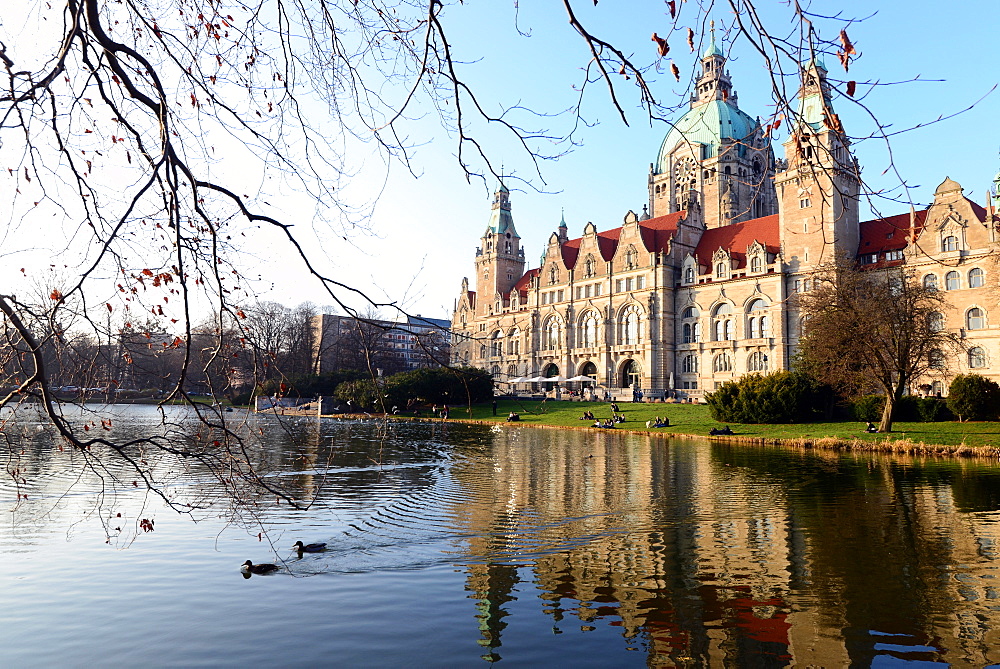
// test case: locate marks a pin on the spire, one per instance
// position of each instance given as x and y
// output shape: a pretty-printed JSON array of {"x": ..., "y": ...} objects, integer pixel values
[
  {"x": 563, "y": 229},
  {"x": 714, "y": 82},
  {"x": 501, "y": 220},
  {"x": 712, "y": 49},
  {"x": 815, "y": 98}
]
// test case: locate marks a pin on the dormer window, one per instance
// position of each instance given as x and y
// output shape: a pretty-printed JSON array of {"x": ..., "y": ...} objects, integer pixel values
[
  {"x": 689, "y": 275},
  {"x": 949, "y": 243},
  {"x": 720, "y": 270}
]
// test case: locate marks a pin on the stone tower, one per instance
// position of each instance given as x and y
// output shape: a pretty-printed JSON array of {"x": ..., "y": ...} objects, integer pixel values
[
  {"x": 716, "y": 159},
  {"x": 499, "y": 259},
  {"x": 819, "y": 186}
]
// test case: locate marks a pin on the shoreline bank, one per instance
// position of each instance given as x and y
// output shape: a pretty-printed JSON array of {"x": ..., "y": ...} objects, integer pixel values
[{"x": 898, "y": 446}]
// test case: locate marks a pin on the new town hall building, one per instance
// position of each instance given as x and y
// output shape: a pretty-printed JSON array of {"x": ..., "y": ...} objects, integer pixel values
[{"x": 695, "y": 290}]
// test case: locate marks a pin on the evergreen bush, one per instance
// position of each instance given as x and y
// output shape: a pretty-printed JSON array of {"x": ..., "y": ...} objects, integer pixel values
[
  {"x": 778, "y": 397},
  {"x": 869, "y": 408},
  {"x": 974, "y": 397}
]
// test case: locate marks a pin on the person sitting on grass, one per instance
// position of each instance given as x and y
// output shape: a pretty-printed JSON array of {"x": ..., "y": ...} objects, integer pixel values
[{"x": 513, "y": 417}]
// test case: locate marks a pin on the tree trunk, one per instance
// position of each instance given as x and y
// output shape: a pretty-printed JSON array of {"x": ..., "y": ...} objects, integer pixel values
[
  {"x": 890, "y": 403},
  {"x": 886, "y": 424}
]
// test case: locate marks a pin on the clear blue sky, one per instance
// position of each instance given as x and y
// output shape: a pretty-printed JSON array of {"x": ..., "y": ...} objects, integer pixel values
[
  {"x": 424, "y": 229},
  {"x": 428, "y": 227}
]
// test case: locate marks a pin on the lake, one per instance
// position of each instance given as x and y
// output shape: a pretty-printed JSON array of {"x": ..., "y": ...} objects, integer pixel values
[{"x": 452, "y": 545}]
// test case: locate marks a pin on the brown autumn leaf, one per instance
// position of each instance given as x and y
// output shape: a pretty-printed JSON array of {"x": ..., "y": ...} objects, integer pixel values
[
  {"x": 55, "y": 294},
  {"x": 691, "y": 40},
  {"x": 661, "y": 45},
  {"x": 846, "y": 41},
  {"x": 845, "y": 60},
  {"x": 676, "y": 71},
  {"x": 673, "y": 8},
  {"x": 851, "y": 87}
]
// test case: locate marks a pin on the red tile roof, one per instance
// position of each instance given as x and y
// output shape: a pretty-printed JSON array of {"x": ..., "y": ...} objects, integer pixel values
[
  {"x": 737, "y": 237},
  {"x": 889, "y": 234},
  {"x": 607, "y": 242},
  {"x": 524, "y": 282},
  {"x": 657, "y": 232},
  {"x": 570, "y": 251}
]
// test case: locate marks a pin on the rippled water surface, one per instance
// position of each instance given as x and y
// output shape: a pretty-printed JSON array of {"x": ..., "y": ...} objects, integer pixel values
[{"x": 455, "y": 545}]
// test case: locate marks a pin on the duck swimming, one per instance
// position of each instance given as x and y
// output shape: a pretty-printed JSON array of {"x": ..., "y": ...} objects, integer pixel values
[
  {"x": 249, "y": 567},
  {"x": 309, "y": 548}
]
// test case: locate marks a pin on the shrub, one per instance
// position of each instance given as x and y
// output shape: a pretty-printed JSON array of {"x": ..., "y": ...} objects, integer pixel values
[
  {"x": 778, "y": 397},
  {"x": 974, "y": 397},
  {"x": 932, "y": 409},
  {"x": 439, "y": 385},
  {"x": 869, "y": 408}
]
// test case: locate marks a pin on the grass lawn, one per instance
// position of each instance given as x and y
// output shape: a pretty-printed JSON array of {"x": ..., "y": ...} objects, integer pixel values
[{"x": 695, "y": 419}]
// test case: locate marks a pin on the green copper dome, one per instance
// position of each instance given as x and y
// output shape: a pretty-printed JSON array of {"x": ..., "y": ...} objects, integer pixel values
[{"x": 707, "y": 124}]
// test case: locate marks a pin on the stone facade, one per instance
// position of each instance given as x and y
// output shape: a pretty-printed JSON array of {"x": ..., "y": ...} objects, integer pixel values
[{"x": 695, "y": 290}]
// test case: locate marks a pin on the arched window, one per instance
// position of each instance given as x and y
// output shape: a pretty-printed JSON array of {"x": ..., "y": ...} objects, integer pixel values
[
  {"x": 495, "y": 371},
  {"x": 722, "y": 363},
  {"x": 977, "y": 357},
  {"x": 689, "y": 275},
  {"x": 976, "y": 279},
  {"x": 689, "y": 365},
  {"x": 722, "y": 322},
  {"x": 951, "y": 281},
  {"x": 482, "y": 350},
  {"x": 756, "y": 264},
  {"x": 757, "y": 325},
  {"x": 691, "y": 328},
  {"x": 720, "y": 270},
  {"x": 588, "y": 330},
  {"x": 514, "y": 343},
  {"x": 757, "y": 362},
  {"x": 552, "y": 333},
  {"x": 630, "y": 326},
  {"x": 949, "y": 243},
  {"x": 975, "y": 319},
  {"x": 935, "y": 321},
  {"x": 496, "y": 343},
  {"x": 935, "y": 359},
  {"x": 930, "y": 282}
]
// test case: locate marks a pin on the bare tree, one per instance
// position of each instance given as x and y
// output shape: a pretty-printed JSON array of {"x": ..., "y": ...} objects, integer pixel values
[
  {"x": 121, "y": 120},
  {"x": 873, "y": 330}
]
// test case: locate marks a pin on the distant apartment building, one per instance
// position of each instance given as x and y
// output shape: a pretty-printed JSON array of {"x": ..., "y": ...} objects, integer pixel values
[{"x": 346, "y": 342}]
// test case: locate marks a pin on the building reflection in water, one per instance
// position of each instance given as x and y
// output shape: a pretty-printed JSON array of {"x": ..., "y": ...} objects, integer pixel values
[{"x": 708, "y": 555}]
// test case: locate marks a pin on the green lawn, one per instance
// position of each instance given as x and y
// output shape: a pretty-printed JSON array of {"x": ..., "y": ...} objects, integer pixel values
[{"x": 694, "y": 419}]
